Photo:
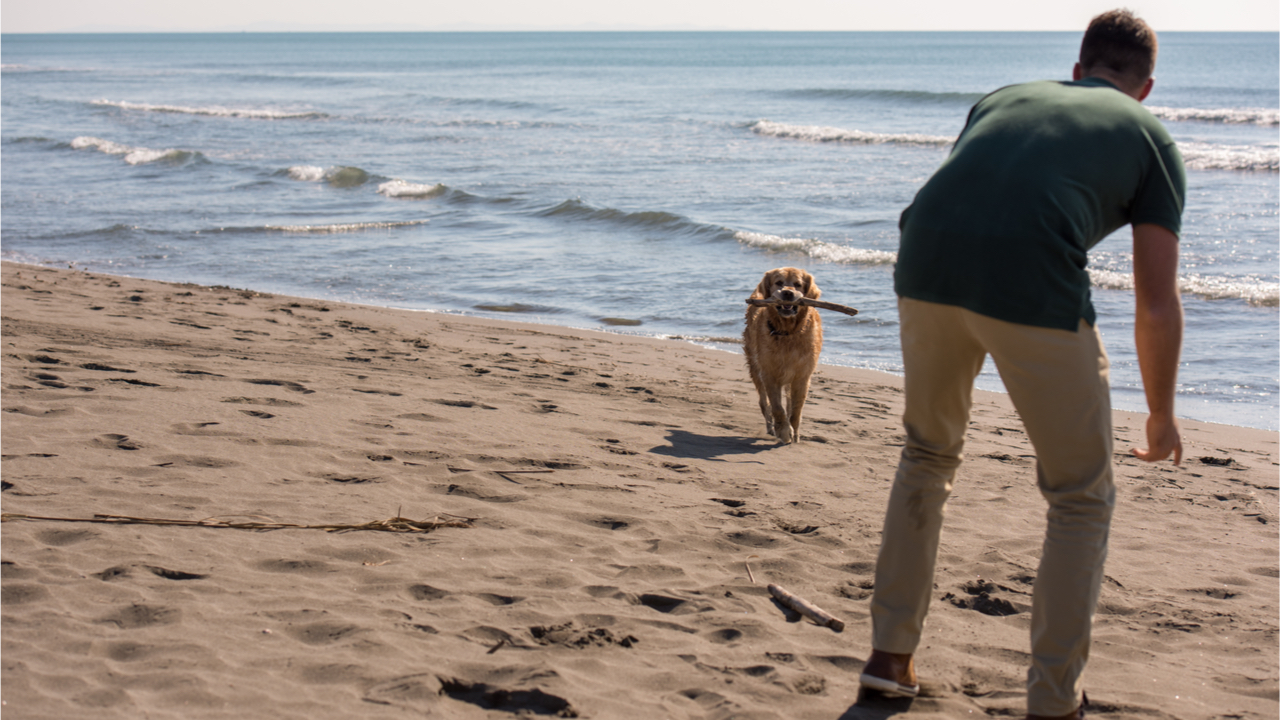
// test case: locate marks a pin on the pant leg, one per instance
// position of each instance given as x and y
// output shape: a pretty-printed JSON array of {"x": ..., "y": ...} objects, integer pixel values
[
  {"x": 941, "y": 360},
  {"x": 1059, "y": 383}
]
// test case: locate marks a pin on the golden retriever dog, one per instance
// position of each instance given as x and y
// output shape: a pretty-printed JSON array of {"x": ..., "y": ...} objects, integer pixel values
[{"x": 782, "y": 343}]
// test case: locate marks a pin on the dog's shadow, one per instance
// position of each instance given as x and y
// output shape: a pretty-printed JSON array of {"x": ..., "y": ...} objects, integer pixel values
[{"x": 721, "y": 448}]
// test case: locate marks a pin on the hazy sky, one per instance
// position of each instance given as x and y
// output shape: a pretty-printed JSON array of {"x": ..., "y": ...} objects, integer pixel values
[{"x": 274, "y": 15}]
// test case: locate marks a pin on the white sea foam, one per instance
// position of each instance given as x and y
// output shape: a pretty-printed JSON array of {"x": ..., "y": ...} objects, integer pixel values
[
  {"x": 1254, "y": 291},
  {"x": 213, "y": 111},
  {"x": 132, "y": 155},
  {"x": 818, "y": 133},
  {"x": 817, "y": 249},
  {"x": 306, "y": 173},
  {"x": 1230, "y": 116},
  {"x": 1210, "y": 156},
  {"x": 336, "y": 228},
  {"x": 402, "y": 189},
  {"x": 337, "y": 176}
]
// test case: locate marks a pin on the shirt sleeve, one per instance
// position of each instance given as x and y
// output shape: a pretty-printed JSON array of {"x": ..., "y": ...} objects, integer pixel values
[{"x": 1163, "y": 193}]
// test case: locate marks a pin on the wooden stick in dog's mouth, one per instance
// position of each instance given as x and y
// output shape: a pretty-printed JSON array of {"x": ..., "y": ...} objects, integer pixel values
[{"x": 805, "y": 301}]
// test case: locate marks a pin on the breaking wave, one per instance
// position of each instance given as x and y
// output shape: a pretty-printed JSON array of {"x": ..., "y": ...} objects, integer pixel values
[
  {"x": 644, "y": 219},
  {"x": 339, "y": 176},
  {"x": 819, "y": 133},
  {"x": 336, "y": 228},
  {"x": 318, "y": 229},
  {"x": 1229, "y": 116},
  {"x": 1209, "y": 156},
  {"x": 132, "y": 155},
  {"x": 215, "y": 111},
  {"x": 817, "y": 249},
  {"x": 402, "y": 189},
  {"x": 1254, "y": 291}
]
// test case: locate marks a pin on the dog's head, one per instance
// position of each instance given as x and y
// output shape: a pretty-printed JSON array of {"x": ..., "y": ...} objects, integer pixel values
[{"x": 787, "y": 285}]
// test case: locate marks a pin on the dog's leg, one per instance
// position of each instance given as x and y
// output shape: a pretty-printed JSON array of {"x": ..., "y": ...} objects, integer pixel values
[
  {"x": 781, "y": 423},
  {"x": 799, "y": 393},
  {"x": 763, "y": 394}
]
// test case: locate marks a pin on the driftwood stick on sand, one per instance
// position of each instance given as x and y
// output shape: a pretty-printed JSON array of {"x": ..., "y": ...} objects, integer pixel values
[
  {"x": 807, "y": 609},
  {"x": 806, "y": 301},
  {"x": 395, "y": 524}
]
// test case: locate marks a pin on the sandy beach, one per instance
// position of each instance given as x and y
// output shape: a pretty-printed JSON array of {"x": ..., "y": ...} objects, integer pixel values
[{"x": 596, "y": 519}]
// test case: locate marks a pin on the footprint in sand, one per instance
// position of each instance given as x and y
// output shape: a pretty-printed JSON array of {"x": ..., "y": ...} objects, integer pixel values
[
  {"x": 498, "y": 600},
  {"x": 105, "y": 368},
  {"x": 301, "y": 567},
  {"x": 124, "y": 571},
  {"x": 268, "y": 402},
  {"x": 288, "y": 385},
  {"x": 195, "y": 461},
  {"x": 113, "y": 441},
  {"x": 49, "y": 380},
  {"x": 22, "y": 593},
  {"x": 347, "y": 479},
  {"x": 141, "y": 616},
  {"x": 427, "y": 593},
  {"x": 466, "y": 492},
  {"x": 323, "y": 633},
  {"x": 570, "y": 636},
  {"x": 465, "y": 404}
]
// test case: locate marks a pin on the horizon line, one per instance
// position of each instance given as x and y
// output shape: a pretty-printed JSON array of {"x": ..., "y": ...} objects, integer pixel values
[{"x": 260, "y": 30}]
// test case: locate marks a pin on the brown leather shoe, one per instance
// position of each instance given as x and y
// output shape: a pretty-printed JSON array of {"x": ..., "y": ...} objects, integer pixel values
[{"x": 890, "y": 674}]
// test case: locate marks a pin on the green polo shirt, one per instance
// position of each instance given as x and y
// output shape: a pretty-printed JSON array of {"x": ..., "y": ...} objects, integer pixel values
[{"x": 1041, "y": 173}]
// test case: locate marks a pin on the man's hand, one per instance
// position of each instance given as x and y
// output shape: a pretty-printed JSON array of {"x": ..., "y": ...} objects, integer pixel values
[
  {"x": 1163, "y": 439},
  {"x": 1158, "y": 335}
]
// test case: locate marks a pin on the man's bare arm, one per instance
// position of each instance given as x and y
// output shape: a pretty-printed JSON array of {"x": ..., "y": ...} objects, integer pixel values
[{"x": 1158, "y": 336}]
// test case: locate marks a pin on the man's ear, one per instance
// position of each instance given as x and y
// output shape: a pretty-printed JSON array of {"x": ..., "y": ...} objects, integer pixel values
[
  {"x": 1077, "y": 72},
  {"x": 1146, "y": 89}
]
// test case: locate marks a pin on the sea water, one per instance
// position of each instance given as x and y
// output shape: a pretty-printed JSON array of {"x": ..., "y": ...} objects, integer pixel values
[{"x": 632, "y": 182}]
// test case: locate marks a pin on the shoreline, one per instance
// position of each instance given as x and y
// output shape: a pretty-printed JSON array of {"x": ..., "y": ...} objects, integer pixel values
[
  {"x": 712, "y": 344},
  {"x": 625, "y": 514}
]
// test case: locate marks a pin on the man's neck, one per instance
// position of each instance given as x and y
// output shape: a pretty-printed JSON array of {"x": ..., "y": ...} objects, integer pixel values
[{"x": 1121, "y": 83}]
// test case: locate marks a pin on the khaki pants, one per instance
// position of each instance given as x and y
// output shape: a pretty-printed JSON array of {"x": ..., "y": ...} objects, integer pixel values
[{"x": 1058, "y": 382}]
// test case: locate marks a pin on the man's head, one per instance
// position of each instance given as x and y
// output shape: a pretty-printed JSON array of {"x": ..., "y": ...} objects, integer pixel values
[{"x": 1119, "y": 47}]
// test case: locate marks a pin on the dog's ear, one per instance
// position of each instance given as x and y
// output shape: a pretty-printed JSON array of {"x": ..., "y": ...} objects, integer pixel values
[
  {"x": 765, "y": 288},
  {"x": 811, "y": 290}
]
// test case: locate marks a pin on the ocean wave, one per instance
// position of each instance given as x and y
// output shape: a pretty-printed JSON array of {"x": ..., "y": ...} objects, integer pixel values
[
  {"x": 339, "y": 176},
  {"x": 909, "y": 96},
  {"x": 337, "y": 228},
  {"x": 402, "y": 189},
  {"x": 19, "y": 67},
  {"x": 485, "y": 102},
  {"x": 215, "y": 111},
  {"x": 818, "y": 133},
  {"x": 1253, "y": 291},
  {"x": 1229, "y": 116},
  {"x": 132, "y": 155},
  {"x": 1209, "y": 156},
  {"x": 644, "y": 219},
  {"x": 817, "y": 249}
]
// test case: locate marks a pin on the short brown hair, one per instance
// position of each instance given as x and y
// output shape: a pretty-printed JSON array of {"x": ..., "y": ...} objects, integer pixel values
[{"x": 1121, "y": 42}]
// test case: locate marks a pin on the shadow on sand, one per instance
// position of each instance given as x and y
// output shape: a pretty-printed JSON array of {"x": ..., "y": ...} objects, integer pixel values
[{"x": 722, "y": 448}]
